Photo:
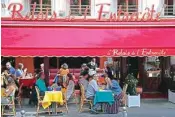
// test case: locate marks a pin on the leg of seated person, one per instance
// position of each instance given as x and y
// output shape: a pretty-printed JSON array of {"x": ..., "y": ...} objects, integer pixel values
[
  {"x": 4, "y": 100},
  {"x": 95, "y": 107},
  {"x": 42, "y": 93}
]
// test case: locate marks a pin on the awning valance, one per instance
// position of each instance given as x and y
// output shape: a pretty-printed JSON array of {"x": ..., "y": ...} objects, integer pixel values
[{"x": 47, "y": 41}]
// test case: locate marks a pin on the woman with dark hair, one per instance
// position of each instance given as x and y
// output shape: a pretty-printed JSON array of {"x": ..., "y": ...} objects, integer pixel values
[
  {"x": 70, "y": 85},
  {"x": 114, "y": 86},
  {"x": 40, "y": 83}
]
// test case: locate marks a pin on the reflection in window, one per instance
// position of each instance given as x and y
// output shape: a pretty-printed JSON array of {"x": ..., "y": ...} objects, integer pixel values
[
  {"x": 78, "y": 7},
  {"x": 152, "y": 66},
  {"x": 170, "y": 8},
  {"x": 129, "y": 6},
  {"x": 41, "y": 6}
]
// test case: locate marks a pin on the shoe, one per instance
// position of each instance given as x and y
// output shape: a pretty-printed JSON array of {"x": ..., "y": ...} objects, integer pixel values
[{"x": 94, "y": 111}]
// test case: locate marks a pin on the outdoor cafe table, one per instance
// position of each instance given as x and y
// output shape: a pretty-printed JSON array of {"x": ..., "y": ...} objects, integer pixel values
[
  {"x": 52, "y": 97},
  {"x": 104, "y": 96},
  {"x": 27, "y": 82}
]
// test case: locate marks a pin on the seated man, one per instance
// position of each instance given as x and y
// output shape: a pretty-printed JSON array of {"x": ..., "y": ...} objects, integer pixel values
[
  {"x": 83, "y": 80},
  {"x": 40, "y": 83},
  {"x": 91, "y": 90}
]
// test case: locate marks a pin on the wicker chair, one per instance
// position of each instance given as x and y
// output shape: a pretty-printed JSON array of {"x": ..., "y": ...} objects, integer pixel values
[
  {"x": 83, "y": 99},
  {"x": 10, "y": 104},
  {"x": 123, "y": 108},
  {"x": 19, "y": 96},
  {"x": 40, "y": 101},
  {"x": 65, "y": 100}
]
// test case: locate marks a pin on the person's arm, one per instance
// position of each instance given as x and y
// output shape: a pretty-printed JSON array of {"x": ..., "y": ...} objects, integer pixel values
[{"x": 96, "y": 88}]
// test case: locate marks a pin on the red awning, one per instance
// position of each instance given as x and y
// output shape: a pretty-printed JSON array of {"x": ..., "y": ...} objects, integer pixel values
[{"x": 47, "y": 41}]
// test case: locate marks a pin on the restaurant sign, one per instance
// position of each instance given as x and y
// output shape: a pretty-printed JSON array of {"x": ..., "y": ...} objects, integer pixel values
[
  {"x": 136, "y": 52},
  {"x": 120, "y": 16}
]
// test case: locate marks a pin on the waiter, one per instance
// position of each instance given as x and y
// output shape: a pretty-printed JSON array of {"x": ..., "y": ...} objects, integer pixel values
[{"x": 93, "y": 64}]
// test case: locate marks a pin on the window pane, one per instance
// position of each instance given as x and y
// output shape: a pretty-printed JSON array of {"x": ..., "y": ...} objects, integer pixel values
[
  {"x": 130, "y": 6},
  {"x": 78, "y": 7},
  {"x": 46, "y": 4},
  {"x": 170, "y": 8}
]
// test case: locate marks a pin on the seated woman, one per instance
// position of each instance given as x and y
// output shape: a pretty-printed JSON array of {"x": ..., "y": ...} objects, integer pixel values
[
  {"x": 70, "y": 86},
  {"x": 8, "y": 91},
  {"x": 40, "y": 83},
  {"x": 114, "y": 86},
  {"x": 64, "y": 71}
]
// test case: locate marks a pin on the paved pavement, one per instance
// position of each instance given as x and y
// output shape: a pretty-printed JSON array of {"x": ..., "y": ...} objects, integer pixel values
[{"x": 149, "y": 108}]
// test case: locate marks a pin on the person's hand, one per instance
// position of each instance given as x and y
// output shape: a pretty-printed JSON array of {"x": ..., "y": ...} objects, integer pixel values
[{"x": 25, "y": 70}]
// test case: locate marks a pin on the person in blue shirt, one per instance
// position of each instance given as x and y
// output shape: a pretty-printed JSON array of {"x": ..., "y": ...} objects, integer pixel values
[
  {"x": 11, "y": 73},
  {"x": 19, "y": 72},
  {"x": 113, "y": 85},
  {"x": 11, "y": 70},
  {"x": 40, "y": 83},
  {"x": 91, "y": 90}
]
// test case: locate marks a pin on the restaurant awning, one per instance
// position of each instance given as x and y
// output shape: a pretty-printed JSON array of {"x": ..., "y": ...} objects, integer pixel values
[{"x": 64, "y": 41}]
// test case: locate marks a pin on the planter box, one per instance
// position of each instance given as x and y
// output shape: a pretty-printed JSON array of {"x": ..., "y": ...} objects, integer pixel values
[
  {"x": 133, "y": 101},
  {"x": 171, "y": 96}
]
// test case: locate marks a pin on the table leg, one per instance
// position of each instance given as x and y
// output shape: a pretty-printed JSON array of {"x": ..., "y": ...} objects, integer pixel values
[{"x": 54, "y": 109}]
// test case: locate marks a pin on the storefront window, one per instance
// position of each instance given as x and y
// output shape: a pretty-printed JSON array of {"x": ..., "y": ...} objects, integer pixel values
[
  {"x": 170, "y": 8},
  {"x": 41, "y": 5},
  {"x": 78, "y": 7},
  {"x": 153, "y": 70},
  {"x": 152, "y": 66},
  {"x": 129, "y": 6}
]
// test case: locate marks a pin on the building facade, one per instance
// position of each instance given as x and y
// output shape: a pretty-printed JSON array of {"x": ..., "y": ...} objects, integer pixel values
[
  {"x": 143, "y": 29},
  {"x": 78, "y": 7}
]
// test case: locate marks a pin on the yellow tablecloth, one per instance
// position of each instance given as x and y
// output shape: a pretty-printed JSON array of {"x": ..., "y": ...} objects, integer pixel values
[{"x": 52, "y": 96}]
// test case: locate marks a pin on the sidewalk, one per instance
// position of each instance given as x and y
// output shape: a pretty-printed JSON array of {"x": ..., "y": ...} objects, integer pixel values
[{"x": 149, "y": 108}]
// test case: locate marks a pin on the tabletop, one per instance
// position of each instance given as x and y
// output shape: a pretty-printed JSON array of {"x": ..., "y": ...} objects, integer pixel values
[
  {"x": 52, "y": 96},
  {"x": 105, "y": 96}
]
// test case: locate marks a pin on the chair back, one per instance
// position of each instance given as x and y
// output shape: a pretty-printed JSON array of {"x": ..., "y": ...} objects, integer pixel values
[
  {"x": 125, "y": 88},
  {"x": 12, "y": 97},
  {"x": 20, "y": 90},
  {"x": 37, "y": 92},
  {"x": 82, "y": 91},
  {"x": 64, "y": 92}
]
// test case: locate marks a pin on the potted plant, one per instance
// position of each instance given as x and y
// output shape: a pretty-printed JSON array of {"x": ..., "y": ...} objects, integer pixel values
[{"x": 133, "y": 99}]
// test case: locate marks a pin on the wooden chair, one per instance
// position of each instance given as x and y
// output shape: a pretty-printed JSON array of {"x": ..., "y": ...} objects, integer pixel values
[
  {"x": 40, "y": 100},
  {"x": 83, "y": 98},
  {"x": 19, "y": 96},
  {"x": 124, "y": 94},
  {"x": 65, "y": 100},
  {"x": 122, "y": 102},
  {"x": 10, "y": 104},
  {"x": 74, "y": 95}
]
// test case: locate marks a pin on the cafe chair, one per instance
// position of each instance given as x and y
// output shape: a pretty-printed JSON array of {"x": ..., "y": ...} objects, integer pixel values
[
  {"x": 65, "y": 100},
  {"x": 75, "y": 97},
  {"x": 124, "y": 94},
  {"x": 19, "y": 96},
  {"x": 40, "y": 101},
  {"x": 122, "y": 102},
  {"x": 83, "y": 99},
  {"x": 11, "y": 105}
]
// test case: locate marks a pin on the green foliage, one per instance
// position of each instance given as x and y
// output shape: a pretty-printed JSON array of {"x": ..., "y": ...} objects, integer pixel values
[{"x": 132, "y": 84}]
